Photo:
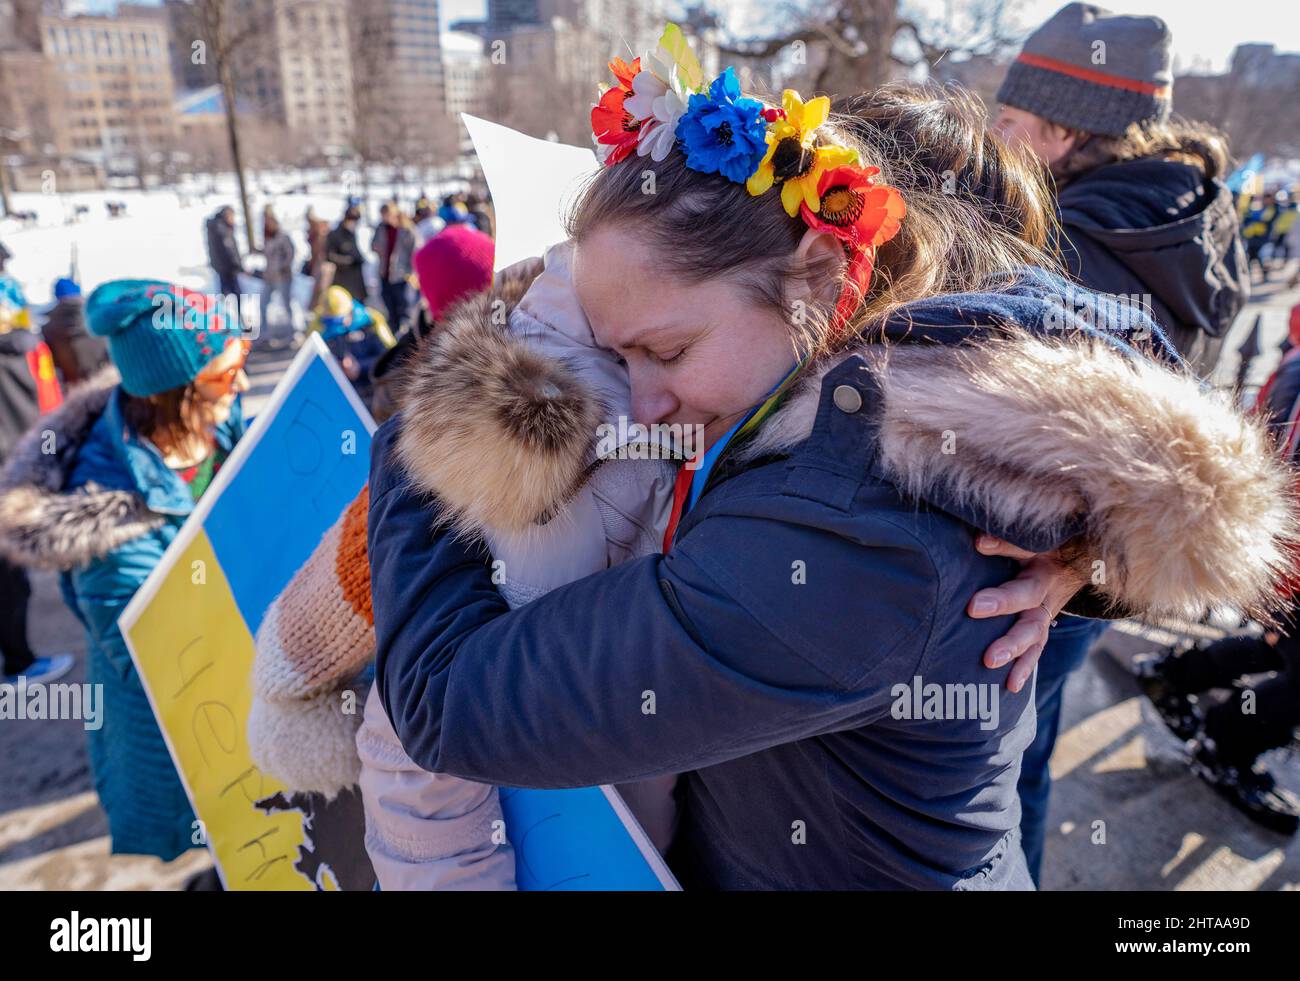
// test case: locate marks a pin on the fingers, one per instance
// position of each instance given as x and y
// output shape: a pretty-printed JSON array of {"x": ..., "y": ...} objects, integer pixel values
[
  {"x": 1024, "y": 643},
  {"x": 1025, "y": 592},
  {"x": 1029, "y": 629},
  {"x": 1023, "y": 669},
  {"x": 987, "y": 544}
]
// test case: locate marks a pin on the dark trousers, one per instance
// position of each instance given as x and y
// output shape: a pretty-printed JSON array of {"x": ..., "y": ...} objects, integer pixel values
[
  {"x": 1241, "y": 735},
  {"x": 15, "y": 591},
  {"x": 396, "y": 300},
  {"x": 228, "y": 284},
  {"x": 1067, "y": 648}
]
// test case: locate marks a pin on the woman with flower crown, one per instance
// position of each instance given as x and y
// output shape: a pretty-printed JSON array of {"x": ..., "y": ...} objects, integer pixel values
[{"x": 879, "y": 368}]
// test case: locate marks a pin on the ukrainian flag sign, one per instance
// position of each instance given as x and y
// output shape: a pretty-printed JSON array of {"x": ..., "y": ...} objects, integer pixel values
[{"x": 190, "y": 629}]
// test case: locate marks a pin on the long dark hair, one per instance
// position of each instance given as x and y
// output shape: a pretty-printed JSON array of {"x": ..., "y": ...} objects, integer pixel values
[{"x": 165, "y": 419}]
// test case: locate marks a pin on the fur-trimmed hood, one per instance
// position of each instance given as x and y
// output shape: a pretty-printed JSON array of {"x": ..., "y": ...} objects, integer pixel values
[
  {"x": 1170, "y": 496},
  {"x": 41, "y": 526},
  {"x": 501, "y": 412}
]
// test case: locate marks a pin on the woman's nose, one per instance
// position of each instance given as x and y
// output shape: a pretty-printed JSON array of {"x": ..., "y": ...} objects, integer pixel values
[
  {"x": 242, "y": 384},
  {"x": 651, "y": 403}
]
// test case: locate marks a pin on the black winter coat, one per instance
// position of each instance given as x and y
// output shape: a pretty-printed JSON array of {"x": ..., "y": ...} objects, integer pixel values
[{"x": 1159, "y": 228}]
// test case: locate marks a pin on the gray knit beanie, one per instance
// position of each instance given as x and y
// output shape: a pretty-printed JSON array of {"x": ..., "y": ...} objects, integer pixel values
[{"x": 1092, "y": 70}]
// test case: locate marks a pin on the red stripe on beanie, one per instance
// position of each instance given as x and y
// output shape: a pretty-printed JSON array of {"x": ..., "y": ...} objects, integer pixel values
[{"x": 1088, "y": 75}]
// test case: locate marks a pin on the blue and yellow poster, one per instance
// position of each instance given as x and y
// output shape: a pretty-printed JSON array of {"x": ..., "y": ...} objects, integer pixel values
[
  {"x": 191, "y": 626},
  {"x": 191, "y": 631}
]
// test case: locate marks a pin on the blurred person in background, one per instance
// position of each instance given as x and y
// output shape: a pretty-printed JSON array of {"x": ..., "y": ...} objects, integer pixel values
[
  {"x": 277, "y": 278},
  {"x": 1143, "y": 213},
  {"x": 1143, "y": 208},
  {"x": 317, "y": 264},
  {"x": 344, "y": 253},
  {"x": 1257, "y": 229},
  {"x": 454, "y": 211},
  {"x": 27, "y": 388},
  {"x": 357, "y": 336},
  {"x": 453, "y": 265},
  {"x": 1287, "y": 212},
  {"x": 223, "y": 253},
  {"x": 1228, "y": 737},
  {"x": 393, "y": 245},
  {"x": 78, "y": 354},
  {"x": 480, "y": 209},
  {"x": 139, "y": 447},
  {"x": 427, "y": 222}
]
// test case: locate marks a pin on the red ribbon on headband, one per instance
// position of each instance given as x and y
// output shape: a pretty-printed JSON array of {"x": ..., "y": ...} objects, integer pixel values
[{"x": 863, "y": 215}]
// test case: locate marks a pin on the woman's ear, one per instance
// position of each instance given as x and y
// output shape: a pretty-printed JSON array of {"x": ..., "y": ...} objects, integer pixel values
[{"x": 820, "y": 256}]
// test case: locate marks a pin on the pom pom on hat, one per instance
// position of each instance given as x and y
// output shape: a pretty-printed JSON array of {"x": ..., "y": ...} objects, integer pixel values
[{"x": 452, "y": 265}]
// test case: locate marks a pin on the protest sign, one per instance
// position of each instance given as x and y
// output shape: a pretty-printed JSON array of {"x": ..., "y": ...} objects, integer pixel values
[{"x": 190, "y": 630}]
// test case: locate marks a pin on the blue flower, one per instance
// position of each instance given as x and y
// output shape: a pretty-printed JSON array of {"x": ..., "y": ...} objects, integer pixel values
[{"x": 722, "y": 132}]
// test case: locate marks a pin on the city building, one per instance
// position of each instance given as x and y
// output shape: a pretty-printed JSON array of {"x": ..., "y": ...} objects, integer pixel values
[
  {"x": 109, "y": 90},
  {"x": 462, "y": 72},
  {"x": 294, "y": 66},
  {"x": 398, "y": 79}
]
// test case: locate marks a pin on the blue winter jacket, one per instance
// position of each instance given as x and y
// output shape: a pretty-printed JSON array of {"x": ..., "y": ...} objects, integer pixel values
[
  {"x": 786, "y": 642},
  {"x": 148, "y": 810}
]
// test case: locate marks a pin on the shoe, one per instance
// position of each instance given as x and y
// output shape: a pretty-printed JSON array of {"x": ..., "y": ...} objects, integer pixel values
[
  {"x": 209, "y": 880},
  {"x": 1252, "y": 792},
  {"x": 1179, "y": 712},
  {"x": 43, "y": 670}
]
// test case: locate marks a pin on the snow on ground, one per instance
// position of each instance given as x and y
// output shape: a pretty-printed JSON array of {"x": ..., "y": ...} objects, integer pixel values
[{"x": 162, "y": 234}]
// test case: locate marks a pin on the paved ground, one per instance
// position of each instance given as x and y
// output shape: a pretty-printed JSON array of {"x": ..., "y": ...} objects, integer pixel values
[{"x": 1161, "y": 828}]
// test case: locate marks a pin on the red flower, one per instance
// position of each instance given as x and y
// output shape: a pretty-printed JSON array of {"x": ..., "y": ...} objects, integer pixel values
[
  {"x": 614, "y": 126},
  {"x": 625, "y": 72},
  {"x": 855, "y": 209},
  {"x": 863, "y": 215}
]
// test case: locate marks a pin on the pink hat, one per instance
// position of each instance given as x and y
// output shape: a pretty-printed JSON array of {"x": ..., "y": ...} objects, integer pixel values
[{"x": 453, "y": 264}]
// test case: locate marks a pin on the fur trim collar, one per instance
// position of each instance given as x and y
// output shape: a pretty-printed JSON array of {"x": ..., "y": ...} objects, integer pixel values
[
  {"x": 501, "y": 432},
  {"x": 1184, "y": 505},
  {"x": 42, "y": 527}
]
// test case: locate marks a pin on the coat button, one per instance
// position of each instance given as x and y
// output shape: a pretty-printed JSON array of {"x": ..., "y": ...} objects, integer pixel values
[{"x": 847, "y": 398}]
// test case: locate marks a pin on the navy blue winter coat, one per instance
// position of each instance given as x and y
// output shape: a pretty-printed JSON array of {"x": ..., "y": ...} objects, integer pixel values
[{"x": 787, "y": 637}]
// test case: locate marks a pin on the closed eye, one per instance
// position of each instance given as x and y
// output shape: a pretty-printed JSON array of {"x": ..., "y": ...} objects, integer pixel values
[{"x": 666, "y": 358}]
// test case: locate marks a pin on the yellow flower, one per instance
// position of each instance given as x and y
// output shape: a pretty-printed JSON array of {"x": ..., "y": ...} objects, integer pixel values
[{"x": 793, "y": 159}]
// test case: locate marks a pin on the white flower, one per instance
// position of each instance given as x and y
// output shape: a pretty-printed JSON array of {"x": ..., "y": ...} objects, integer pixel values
[
  {"x": 646, "y": 87},
  {"x": 659, "y": 136}
]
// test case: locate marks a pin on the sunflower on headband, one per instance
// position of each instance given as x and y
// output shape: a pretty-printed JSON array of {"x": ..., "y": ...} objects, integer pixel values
[
  {"x": 792, "y": 156},
  {"x": 661, "y": 103}
]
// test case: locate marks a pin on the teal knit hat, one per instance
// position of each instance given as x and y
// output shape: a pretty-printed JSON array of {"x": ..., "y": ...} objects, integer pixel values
[{"x": 160, "y": 335}]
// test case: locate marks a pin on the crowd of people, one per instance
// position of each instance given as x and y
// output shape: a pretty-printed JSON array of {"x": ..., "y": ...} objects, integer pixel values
[{"x": 823, "y": 549}]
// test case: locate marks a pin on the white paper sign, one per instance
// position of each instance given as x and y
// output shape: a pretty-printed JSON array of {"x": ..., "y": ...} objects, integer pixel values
[{"x": 533, "y": 183}]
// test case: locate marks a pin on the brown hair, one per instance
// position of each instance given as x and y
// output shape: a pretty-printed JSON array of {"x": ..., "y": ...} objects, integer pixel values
[
  {"x": 1177, "y": 139},
  {"x": 166, "y": 419},
  {"x": 976, "y": 207}
]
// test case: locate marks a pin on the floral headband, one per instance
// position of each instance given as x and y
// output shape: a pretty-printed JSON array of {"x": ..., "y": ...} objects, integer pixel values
[{"x": 660, "y": 103}]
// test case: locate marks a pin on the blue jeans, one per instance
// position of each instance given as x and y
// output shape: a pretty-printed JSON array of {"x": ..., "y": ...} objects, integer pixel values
[{"x": 1067, "y": 648}]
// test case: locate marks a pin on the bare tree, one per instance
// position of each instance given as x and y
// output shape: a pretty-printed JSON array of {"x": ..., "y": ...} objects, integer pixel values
[
  {"x": 228, "y": 29},
  {"x": 851, "y": 46},
  {"x": 1257, "y": 116}
]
